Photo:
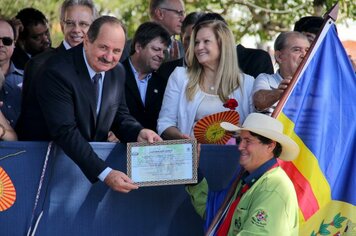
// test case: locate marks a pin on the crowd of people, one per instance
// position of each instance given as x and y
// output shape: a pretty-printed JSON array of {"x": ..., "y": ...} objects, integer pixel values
[{"x": 97, "y": 85}]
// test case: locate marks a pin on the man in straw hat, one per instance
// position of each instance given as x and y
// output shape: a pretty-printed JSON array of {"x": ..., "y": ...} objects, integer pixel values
[{"x": 262, "y": 200}]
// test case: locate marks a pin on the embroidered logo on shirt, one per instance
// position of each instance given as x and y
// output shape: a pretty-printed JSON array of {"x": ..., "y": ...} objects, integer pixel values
[
  {"x": 260, "y": 218},
  {"x": 238, "y": 223}
]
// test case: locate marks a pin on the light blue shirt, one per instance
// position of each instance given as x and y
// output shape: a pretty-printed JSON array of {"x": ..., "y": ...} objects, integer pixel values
[{"x": 142, "y": 84}]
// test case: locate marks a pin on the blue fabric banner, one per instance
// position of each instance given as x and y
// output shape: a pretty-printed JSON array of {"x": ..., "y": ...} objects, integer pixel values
[
  {"x": 23, "y": 163},
  {"x": 70, "y": 205}
]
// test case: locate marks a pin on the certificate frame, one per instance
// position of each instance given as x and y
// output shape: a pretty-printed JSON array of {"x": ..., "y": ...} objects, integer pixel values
[{"x": 184, "y": 151}]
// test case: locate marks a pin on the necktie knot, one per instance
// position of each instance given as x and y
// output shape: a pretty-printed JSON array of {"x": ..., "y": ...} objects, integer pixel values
[{"x": 96, "y": 78}]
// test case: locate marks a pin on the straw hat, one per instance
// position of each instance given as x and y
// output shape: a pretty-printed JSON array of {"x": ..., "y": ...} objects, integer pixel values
[{"x": 270, "y": 128}]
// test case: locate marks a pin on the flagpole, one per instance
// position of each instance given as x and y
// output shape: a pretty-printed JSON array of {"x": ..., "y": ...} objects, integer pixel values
[
  {"x": 331, "y": 14},
  {"x": 214, "y": 223}
]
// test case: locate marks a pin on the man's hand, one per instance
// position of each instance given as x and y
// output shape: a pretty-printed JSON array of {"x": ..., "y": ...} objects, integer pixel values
[
  {"x": 284, "y": 84},
  {"x": 264, "y": 99},
  {"x": 120, "y": 182},
  {"x": 148, "y": 136},
  {"x": 112, "y": 137}
]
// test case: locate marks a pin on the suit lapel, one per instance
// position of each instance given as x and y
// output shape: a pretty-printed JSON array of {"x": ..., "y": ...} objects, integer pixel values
[
  {"x": 153, "y": 90},
  {"x": 131, "y": 84},
  {"x": 85, "y": 80}
]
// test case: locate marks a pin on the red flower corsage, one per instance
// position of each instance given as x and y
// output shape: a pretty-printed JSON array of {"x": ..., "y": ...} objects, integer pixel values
[{"x": 231, "y": 104}]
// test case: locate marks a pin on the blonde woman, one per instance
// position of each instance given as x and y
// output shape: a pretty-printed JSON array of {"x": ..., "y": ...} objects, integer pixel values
[{"x": 210, "y": 79}]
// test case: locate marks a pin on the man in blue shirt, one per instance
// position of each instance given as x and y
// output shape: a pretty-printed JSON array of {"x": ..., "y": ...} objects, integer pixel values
[{"x": 10, "y": 92}]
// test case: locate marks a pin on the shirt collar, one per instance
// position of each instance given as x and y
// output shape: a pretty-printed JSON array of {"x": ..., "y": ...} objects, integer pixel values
[
  {"x": 66, "y": 45},
  {"x": 250, "y": 179},
  {"x": 90, "y": 70},
  {"x": 136, "y": 73},
  {"x": 14, "y": 70}
]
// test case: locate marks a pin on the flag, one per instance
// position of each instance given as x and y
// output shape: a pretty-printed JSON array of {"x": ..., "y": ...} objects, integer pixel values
[{"x": 319, "y": 114}]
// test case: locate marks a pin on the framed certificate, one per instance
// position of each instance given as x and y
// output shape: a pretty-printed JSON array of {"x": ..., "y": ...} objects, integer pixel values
[{"x": 163, "y": 163}]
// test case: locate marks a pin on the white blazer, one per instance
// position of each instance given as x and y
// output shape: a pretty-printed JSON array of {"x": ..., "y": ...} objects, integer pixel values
[{"x": 177, "y": 111}]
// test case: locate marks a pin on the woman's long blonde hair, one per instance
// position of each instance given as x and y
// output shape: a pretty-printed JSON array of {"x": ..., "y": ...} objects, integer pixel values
[{"x": 228, "y": 72}]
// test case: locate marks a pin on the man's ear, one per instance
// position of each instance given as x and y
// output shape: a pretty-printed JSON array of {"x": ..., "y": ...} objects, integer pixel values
[
  {"x": 277, "y": 56},
  {"x": 62, "y": 26},
  {"x": 159, "y": 13},
  {"x": 138, "y": 47},
  {"x": 272, "y": 146}
]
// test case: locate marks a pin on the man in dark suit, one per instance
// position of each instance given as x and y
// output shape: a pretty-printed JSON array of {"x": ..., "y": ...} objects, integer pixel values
[
  {"x": 81, "y": 96},
  {"x": 76, "y": 17},
  {"x": 144, "y": 88}
]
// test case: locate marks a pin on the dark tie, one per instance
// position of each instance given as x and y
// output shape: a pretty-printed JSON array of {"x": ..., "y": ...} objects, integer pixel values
[{"x": 96, "y": 79}]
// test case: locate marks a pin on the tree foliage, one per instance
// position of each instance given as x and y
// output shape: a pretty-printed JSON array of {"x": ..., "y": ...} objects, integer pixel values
[{"x": 260, "y": 18}]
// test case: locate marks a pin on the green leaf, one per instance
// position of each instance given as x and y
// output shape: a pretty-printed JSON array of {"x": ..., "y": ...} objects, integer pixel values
[
  {"x": 323, "y": 229},
  {"x": 338, "y": 222},
  {"x": 337, "y": 216},
  {"x": 324, "y": 232}
]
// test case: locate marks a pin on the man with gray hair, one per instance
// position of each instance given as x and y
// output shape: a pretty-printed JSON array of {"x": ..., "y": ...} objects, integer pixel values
[
  {"x": 290, "y": 49},
  {"x": 169, "y": 14},
  {"x": 75, "y": 19}
]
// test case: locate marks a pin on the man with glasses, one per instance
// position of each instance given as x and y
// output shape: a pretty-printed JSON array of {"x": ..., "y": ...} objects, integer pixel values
[
  {"x": 170, "y": 14},
  {"x": 10, "y": 93},
  {"x": 186, "y": 30},
  {"x": 144, "y": 88},
  {"x": 34, "y": 37},
  {"x": 262, "y": 199},
  {"x": 76, "y": 17}
]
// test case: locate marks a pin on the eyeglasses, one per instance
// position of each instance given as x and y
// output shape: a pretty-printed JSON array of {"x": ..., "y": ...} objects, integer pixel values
[
  {"x": 72, "y": 24},
  {"x": 178, "y": 13},
  {"x": 7, "y": 41}
]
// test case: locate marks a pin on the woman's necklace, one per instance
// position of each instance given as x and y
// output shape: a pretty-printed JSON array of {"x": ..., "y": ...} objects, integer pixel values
[{"x": 209, "y": 88}]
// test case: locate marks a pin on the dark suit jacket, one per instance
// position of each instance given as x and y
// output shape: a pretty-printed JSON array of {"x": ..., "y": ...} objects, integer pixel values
[
  {"x": 66, "y": 97},
  {"x": 29, "y": 110},
  {"x": 19, "y": 57},
  {"x": 166, "y": 69},
  {"x": 146, "y": 114},
  {"x": 254, "y": 61}
]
